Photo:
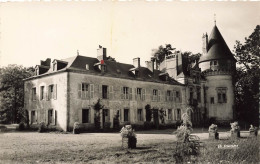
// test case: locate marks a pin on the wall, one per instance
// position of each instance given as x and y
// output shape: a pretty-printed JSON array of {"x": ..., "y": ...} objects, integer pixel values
[
  {"x": 115, "y": 102},
  {"x": 42, "y": 106},
  {"x": 222, "y": 111}
]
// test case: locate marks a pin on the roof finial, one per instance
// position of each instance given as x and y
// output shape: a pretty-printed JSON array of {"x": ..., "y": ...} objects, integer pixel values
[
  {"x": 78, "y": 52},
  {"x": 215, "y": 19}
]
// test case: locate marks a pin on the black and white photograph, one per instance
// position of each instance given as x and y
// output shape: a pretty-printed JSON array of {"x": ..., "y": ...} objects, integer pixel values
[{"x": 150, "y": 81}]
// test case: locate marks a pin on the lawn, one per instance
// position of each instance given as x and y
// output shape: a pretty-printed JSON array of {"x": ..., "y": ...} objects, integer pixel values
[{"x": 33, "y": 147}]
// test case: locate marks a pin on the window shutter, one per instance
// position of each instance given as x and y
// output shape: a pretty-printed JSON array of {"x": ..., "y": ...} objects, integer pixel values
[
  {"x": 143, "y": 90},
  {"x": 36, "y": 116},
  {"x": 121, "y": 115},
  {"x": 79, "y": 90},
  {"x": 180, "y": 97},
  {"x": 151, "y": 95},
  {"x": 49, "y": 92},
  {"x": 55, "y": 122},
  {"x": 130, "y": 93},
  {"x": 122, "y": 93},
  {"x": 100, "y": 90},
  {"x": 174, "y": 96},
  {"x": 159, "y": 95},
  {"x": 175, "y": 114},
  {"x": 46, "y": 93},
  {"x": 55, "y": 91},
  {"x": 91, "y": 91},
  {"x": 110, "y": 92},
  {"x": 135, "y": 94}
]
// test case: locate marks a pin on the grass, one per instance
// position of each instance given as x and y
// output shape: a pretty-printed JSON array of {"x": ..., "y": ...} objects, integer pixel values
[{"x": 33, "y": 147}]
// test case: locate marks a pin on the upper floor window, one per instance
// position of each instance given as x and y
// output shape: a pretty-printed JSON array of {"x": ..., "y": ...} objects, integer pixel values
[
  {"x": 168, "y": 95},
  {"x": 222, "y": 97},
  {"x": 198, "y": 95},
  {"x": 155, "y": 95},
  {"x": 42, "y": 93},
  {"x": 85, "y": 90},
  {"x": 178, "y": 98},
  {"x": 104, "y": 91},
  {"x": 126, "y": 93},
  {"x": 52, "y": 91},
  {"x": 34, "y": 94}
]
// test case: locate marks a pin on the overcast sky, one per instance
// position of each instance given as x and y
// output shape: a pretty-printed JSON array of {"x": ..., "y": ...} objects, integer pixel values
[{"x": 34, "y": 31}]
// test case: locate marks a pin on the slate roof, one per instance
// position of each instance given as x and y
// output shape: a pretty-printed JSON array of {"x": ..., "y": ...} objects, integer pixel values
[
  {"x": 217, "y": 48},
  {"x": 114, "y": 69}
]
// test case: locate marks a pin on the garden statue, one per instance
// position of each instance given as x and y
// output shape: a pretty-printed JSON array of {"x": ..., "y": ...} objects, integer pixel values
[
  {"x": 213, "y": 132},
  {"x": 128, "y": 137},
  {"x": 235, "y": 130},
  {"x": 253, "y": 131}
]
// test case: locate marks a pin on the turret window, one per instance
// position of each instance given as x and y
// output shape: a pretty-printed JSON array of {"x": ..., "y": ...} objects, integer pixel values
[
  {"x": 222, "y": 97},
  {"x": 215, "y": 62}
]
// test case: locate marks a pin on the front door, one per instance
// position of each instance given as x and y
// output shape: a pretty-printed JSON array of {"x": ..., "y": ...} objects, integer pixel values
[{"x": 105, "y": 117}]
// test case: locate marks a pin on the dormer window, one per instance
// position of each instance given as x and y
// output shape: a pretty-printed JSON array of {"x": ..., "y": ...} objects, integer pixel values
[
  {"x": 215, "y": 62},
  {"x": 36, "y": 71},
  {"x": 54, "y": 67}
]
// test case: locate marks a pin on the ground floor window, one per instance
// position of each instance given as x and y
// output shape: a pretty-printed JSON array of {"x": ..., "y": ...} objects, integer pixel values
[
  {"x": 50, "y": 117},
  {"x": 126, "y": 114},
  {"x": 33, "y": 117},
  {"x": 85, "y": 115},
  {"x": 140, "y": 114},
  {"x": 169, "y": 114},
  {"x": 106, "y": 116},
  {"x": 178, "y": 114}
]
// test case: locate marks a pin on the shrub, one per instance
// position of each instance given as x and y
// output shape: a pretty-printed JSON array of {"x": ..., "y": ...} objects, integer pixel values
[
  {"x": 148, "y": 125},
  {"x": 42, "y": 127},
  {"x": 21, "y": 126}
]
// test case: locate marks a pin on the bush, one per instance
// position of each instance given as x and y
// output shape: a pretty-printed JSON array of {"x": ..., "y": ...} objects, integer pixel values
[
  {"x": 149, "y": 125},
  {"x": 21, "y": 126},
  {"x": 42, "y": 127}
]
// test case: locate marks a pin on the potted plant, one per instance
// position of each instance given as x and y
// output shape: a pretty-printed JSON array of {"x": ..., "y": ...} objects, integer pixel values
[
  {"x": 76, "y": 128},
  {"x": 128, "y": 137},
  {"x": 235, "y": 130},
  {"x": 213, "y": 132}
]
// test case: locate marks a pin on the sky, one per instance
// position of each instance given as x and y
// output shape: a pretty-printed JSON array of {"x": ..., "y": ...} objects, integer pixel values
[{"x": 34, "y": 31}]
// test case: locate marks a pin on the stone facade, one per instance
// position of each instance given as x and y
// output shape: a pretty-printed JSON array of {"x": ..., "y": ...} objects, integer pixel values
[{"x": 65, "y": 91}]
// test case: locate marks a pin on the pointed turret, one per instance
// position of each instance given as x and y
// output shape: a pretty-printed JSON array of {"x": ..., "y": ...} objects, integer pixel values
[{"x": 217, "y": 48}]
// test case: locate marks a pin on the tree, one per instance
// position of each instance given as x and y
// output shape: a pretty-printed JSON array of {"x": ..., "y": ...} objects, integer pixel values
[
  {"x": 247, "y": 78},
  {"x": 12, "y": 92},
  {"x": 159, "y": 54}
]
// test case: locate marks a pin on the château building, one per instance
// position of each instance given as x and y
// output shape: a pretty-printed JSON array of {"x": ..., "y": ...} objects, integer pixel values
[{"x": 65, "y": 91}]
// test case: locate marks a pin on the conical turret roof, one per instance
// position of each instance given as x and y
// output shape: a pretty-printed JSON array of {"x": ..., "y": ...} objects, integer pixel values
[{"x": 217, "y": 48}]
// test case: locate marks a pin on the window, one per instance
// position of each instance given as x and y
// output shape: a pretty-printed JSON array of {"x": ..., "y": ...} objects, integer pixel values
[
  {"x": 50, "y": 117},
  {"x": 139, "y": 93},
  {"x": 87, "y": 67},
  {"x": 104, "y": 91},
  {"x": 42, "y": 93},
  {"x": 34, "y": 94},
  {"x": 85, "y": 90},
  {"x": 178, "y": 96},
  {"x": 168, "y": 95},
  {"x": 222, "y": 98},
  {"x": 126, "y": 93},
  {"x": 169, "y": 114},
  {"x": 106, "y": 115},
  {"x": 198, "y": 95},
  {"x": 54, "y": 66},
  {"x": 178, "y": 114},
  {"x": 51, "y": 91},
  {"x": 85, "y": 115},
  {"x": 191, "y": 95},
  {"x": 140, "y": 114},
  {"x": 212, "y": 100},
  {"x": 214, "y": 62},
  {"x": 33, "y": 117},
  {"x": 155, "y": 95},
  {"x": 126, "y": 114}
]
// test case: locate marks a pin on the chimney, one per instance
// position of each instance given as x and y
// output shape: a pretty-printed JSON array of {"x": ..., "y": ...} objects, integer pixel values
[
  {"x": 101, "y": 53},
  {"x": 150, "y": 65},
  {"x": 136, "y": 62},
  {"x": 205, "y": 43}
]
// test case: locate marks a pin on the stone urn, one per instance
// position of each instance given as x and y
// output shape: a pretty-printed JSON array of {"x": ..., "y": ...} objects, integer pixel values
[
  {"x": 129, "y": 139},
  {"x": 213, "y": 132},
  {"x": 235, "y": 130},
  {"x": 252, "y": 131}
]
